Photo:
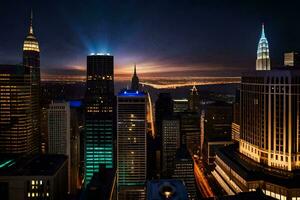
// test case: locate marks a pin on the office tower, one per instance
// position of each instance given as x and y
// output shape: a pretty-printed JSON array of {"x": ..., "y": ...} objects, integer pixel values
[
  {"x": 170, "y": 144},
  {"x": 190, "y": 130},
  {"x": 31, "y": 59},
  {"x": 135, "y": 80},
  {"x": 163, "y": 109},
  {"x": 291, "y": 59},
  {"x": 269, "y": 119},
  {"x": 217, "y": 126},
  {"x": 184, "y": 171},
  {"x": 16, "y": 135},
  {"x": 180, "y": 105},
  {"x": 194, "y": 100},
  {"x": 34, "y": 177},
  {"x": 263, "y": 57},
  {"x": 99, "y": 117},
  {"x": 131, "y": 143},
  {"x": 235, "y": 125},
  {"x": 59, "y": 132},
  {"x": 166, "y": 189},
  {"x": 267, "y": 157}
]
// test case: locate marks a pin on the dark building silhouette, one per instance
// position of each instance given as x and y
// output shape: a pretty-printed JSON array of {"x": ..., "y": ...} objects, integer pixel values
[
  {"x": 99, "y": 114},
  {"x": 184, "y": 171},
  {"x": 194, "y": 100},
  {"x": 135, "y": 80},
  {"x": 34, "y": 177},
  {"x": 163, "y": 109}
]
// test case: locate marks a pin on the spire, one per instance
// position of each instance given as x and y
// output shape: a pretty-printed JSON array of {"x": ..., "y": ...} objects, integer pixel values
[
  {"x": 263, "y": 31},
  {"x": 31, "y": 26},
  {"x": 135, "y": 80},
  {"x": 263, "y": 58},
  {"x": 134, "y": 72}
]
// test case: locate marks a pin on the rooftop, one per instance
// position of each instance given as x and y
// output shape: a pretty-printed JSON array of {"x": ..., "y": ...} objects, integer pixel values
[
  {"x": 166, "y": 189},
  {"x": 33, "y": 165},
  {"x": 252, "y": 171},
  {"x": 131, "y": 93}
]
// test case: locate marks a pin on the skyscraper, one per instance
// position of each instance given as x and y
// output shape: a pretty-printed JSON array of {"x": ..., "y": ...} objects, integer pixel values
[
  {"x": 268, "y": 132},
  {"x": 31, "y": 59},
  {"x": 263, "y": 57},
  {"x": 131, "y": 143},
  {"x": 59, "y": 121},
  {"x": 194, "y": 100},
  {"x": 170, "y": 144},
  {"x": 135, "y": 80},
  {"x": 16, "y": 134},
  {"x": 184, "y": 171},
  {"x": 99, "y": 126}
]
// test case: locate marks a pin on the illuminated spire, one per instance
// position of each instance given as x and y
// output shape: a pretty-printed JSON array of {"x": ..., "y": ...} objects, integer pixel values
[
  {"x": 30, "y": 42},
  {"x": 263, "y": 58},
  {"x": 262, "y": 31},
  {"x": 31, "y": 26}
]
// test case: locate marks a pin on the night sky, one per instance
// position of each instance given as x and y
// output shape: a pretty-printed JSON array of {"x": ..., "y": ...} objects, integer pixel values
[{"x": 164, "y": 38}]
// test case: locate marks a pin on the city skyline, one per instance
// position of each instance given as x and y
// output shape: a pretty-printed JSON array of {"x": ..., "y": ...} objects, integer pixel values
[{"x": 167, "y": 43}]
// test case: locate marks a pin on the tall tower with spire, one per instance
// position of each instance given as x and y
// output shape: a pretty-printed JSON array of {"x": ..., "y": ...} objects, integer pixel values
[
  {"x": 31, "y": 59},
  {"x": 263, "y": 58},
  {"x": 135, "y": 80},
  {"x": 194, "y": 100}
]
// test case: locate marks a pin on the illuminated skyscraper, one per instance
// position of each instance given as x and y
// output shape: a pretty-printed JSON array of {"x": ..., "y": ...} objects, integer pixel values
[
  {"x": 135, "y": 80},
  {"x": 263, "y": 57},
  {"x": 15, "y": 110},
  {"x": 99, "y": 126},
  {"x": 131, "y": 143},
  {"x": 19, "y": 99},
  {"x": 31, "y": 59},
  {"x": 268, "y": 154},
  {"x": 59, "y": 121}
]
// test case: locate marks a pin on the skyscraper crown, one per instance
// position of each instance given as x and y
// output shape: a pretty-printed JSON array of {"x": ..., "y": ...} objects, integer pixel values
[
  {"x": 263, "y": 58},
  {"x": 30, "y": 42}
]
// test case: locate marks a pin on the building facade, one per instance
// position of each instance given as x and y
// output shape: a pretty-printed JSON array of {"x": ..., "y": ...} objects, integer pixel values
[
  {"x": 131, "y": 143},
  {"x": 269, "y": 118},
  {"x": 99, "y": 117},
  {"x": 59, "y": 132},
  {"x": 16, "y": 135},
  {"x": 170, "y": 144},
  {"x": 184, "y": 171}
]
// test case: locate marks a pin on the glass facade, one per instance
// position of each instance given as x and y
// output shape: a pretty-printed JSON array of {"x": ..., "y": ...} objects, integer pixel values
[{"x": 99, "y": 126}]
